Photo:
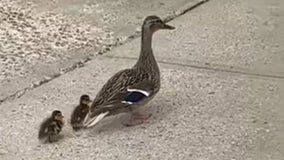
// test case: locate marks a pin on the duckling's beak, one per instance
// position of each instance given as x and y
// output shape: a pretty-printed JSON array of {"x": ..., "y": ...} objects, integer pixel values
[
  {"x": 87, "y": 102},
  {"x": 166, "y": 26},
  {"x": 60, "y": 118}
]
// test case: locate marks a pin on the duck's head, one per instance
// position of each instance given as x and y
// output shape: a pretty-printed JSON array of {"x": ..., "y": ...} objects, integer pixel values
[
  {"x": 154, "y": 23},
  {"x": 57, "y": 115},
  {"x": 85, "y": 99}
]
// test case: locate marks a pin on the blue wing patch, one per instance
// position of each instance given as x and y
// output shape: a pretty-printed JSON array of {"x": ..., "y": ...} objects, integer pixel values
[{"x": 134, "y": 97}]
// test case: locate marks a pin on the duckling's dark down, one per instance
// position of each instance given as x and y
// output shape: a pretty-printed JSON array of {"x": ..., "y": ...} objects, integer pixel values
[
  {"x": 80, "y": 112},
  {"x": 51, "y": 127}
]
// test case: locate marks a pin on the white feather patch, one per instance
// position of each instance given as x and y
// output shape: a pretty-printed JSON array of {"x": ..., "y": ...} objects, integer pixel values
[
  {"x": 86, "y": 118},
  {"x": 127, "y": 102},
  {"x": 96, "y": 119},
  {"x": 139, "y": 90}
]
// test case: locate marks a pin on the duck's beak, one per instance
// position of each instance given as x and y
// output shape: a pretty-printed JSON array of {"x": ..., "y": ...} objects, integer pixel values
[{"x": 166, "y": 26}]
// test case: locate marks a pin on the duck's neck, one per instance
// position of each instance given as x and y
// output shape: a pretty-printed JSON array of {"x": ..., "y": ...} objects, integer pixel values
[
  {"x": 146, "y": 42},
  {"x": 146, "y": 53}
]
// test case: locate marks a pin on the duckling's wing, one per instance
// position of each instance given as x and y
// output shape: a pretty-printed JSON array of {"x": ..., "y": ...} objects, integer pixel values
[
  {"x": 43, "y": 131},
  {"x": 79, "y": 113},
  {"x": 78, "y": 116},
  {"x": 53, "y": 128}
]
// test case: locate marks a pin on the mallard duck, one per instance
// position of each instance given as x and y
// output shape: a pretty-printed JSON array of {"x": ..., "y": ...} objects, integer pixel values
[
  {"x": 51, "y": 127},
  {"x": 130, "y": 88},
  {"x": 80, "y": 112}
]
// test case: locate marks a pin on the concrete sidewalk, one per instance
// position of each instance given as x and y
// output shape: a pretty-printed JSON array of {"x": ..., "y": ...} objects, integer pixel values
[
  {"x": 41, "y": 39},
  {"x": 218, "y": 100}
]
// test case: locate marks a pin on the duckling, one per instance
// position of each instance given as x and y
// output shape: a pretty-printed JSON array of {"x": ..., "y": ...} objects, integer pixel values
[
  {"x": 51, "y": 127},
  {"x": 131, "y": 88},
  {"x": 80, "y": 112}
]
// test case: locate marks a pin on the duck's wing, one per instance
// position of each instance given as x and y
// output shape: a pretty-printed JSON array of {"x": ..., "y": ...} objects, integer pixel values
[
  {"x": 127, "y": 86},
  {"x": 134, "y": 93}
]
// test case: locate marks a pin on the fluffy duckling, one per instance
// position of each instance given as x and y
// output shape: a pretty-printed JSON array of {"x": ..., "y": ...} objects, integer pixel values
[
  {"x": 51, "y": 127},
  {"x": 80, "y": 112}
]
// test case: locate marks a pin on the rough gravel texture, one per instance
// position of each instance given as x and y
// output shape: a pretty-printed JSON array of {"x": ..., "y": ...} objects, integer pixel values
[{"x": 28, "y": 38}]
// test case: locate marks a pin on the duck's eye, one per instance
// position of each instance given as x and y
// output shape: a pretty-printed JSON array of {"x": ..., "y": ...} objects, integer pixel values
[
  {"x": 156, "y": 21},
  {"x": 159, "y": 21}
]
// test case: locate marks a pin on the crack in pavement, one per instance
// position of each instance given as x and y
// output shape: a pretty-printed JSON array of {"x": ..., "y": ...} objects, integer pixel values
[
  {"x": 212, "y": 67},
  {"x": 169, "y": 17}
]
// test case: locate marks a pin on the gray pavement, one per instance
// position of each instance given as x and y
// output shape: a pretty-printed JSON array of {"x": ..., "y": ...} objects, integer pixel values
[
  {"x": 238, "y": 36},
  {"x": 221, "y": 95},
  {"x": 40, "y": 40}
]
